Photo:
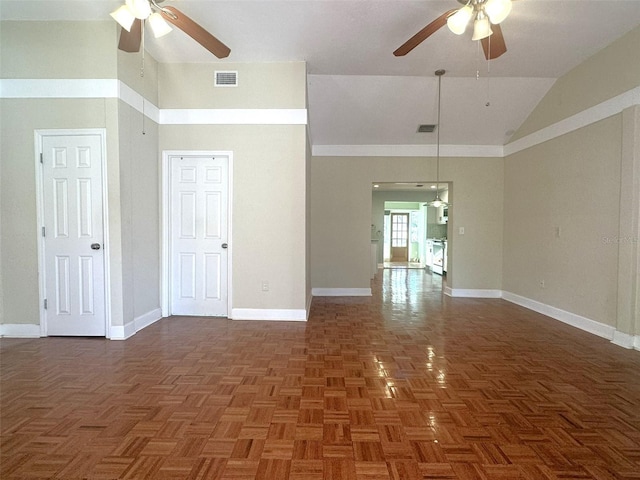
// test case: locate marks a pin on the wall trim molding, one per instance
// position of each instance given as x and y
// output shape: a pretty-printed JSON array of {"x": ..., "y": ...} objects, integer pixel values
[
  {"x": 309, "y": 303},
  {"x": 473, "y": 293},
  {"x": 341, "y": 292},
  {"x": 146, "y": 319},
  {"x": 20, "y": 330},
  {"x": 234, "y": 116},
  {"x": 111, "y": 88},
  {"x": 583, "y": 323},
  {"x": 625, "y": 340},
  {"x": 581, "y": 119},
  {"x": 272, "y": 314},
  {"x": 129, "y": 329},
  {"x": 407, "y": 151}
]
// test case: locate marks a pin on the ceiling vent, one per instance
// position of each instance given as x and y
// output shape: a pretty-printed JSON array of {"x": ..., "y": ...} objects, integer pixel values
[
  {"x": 226, "y": 79},
  {"x": 426, "y": 128}
]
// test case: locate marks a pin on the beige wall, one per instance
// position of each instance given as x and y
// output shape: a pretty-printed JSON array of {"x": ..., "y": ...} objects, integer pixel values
[
  {"x": 610, "y": 72},
  {"x": 140, "y": 213},
  {"x": 260, "y": 85},
  {"x": 341, "y": 205},
  {"x": 268, "y": 206},
  {"x": 78, "y": 50},
  {"x": 19, "y": 256},
  {"x": 586, "y": 184},
  {"x": 58, "y": 49},
  {"x": 571, "y": 183},
  {"x": 269, "y": 172}
]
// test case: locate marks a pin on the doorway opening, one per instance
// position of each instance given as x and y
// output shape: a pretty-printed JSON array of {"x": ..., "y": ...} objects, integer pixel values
[{"x": 407, "y": 232}]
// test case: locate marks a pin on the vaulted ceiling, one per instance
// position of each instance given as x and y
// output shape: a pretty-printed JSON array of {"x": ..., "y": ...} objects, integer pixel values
[{"x": 359, "y": 92}]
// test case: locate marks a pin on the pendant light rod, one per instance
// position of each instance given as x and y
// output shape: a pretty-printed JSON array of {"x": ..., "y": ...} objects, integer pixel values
[{"x": 439, "y": 74}]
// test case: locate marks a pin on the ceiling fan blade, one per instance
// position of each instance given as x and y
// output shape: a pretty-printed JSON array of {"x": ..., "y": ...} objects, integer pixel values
[
  {"x": 423, "y": 34},
  {"x": 494, "y": 45},
  {"x": 196, "y": 32},
  {"x": 130, "y": 41}
]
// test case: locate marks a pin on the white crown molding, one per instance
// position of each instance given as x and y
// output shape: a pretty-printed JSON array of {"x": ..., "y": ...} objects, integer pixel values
[
  {"x": 488, "y": 151},
  {"x": 111, "y": 88},
  {"x": 234, "y": 116},
  {"x": 59, "y": 88},
  {"x": 582, "y": 119},
  {"x": 138, "y": 102}
]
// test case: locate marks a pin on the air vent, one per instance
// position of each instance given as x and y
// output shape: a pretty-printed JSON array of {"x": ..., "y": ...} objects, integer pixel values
[
  {"x": 226, "y": 79},
  {"x": 426, "y": 128}
]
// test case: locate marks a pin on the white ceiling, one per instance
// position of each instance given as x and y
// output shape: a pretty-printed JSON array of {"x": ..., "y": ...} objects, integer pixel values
[{"x": 359, "y": 93}]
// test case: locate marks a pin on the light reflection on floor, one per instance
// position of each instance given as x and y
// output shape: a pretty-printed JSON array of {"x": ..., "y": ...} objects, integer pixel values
[{"x": 409, "y": 289}]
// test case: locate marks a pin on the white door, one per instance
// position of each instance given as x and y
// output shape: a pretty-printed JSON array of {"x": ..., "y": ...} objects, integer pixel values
[
  {"x": 73, "y": 235},
  {"x": 198, "y": 235}
]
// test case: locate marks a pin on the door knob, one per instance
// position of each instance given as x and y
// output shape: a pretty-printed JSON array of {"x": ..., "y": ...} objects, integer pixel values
[
  {"x": 224, "y": 245},
  {"x": 95, "y": 246}
]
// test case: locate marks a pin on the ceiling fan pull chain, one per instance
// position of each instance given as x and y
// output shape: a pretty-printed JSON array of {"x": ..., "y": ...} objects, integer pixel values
[
  {"x": 142, "y": 76},
  {"x": 488, "y": 104},
  {"x": 478, "y": 60}
]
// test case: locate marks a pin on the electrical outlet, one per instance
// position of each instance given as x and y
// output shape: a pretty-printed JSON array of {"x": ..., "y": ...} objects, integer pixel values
[
  {"x": 558, "y": 232},
  {"x": 265, "y": 286},
  {"x": 541, "y": 283},
  {"x": 461, "y": 230}
]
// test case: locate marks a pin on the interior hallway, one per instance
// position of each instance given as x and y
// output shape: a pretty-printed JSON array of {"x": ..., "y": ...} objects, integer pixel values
[{"x": 407, "y": 384}]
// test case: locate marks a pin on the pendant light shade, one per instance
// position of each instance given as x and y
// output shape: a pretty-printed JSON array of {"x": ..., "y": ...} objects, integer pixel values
[
  {"x": 159, "y": 25},
  {"x": 481, "y": 28},
  {"x": 458, "y": 22},
  {"x": 497, "y": 10},
  {"x": 124, "y": 17}
]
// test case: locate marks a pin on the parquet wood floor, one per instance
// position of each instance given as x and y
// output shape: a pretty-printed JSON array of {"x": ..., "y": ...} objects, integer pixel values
[{"x": 407, "y": 384}]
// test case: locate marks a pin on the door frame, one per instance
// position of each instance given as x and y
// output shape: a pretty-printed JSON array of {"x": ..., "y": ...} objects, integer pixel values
[
  {"x": 39, "y": 135},
  {"x": 165, "y": 228}
]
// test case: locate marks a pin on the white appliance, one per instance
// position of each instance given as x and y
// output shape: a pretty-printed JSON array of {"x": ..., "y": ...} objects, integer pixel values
[{"x": 438, "y": 256}]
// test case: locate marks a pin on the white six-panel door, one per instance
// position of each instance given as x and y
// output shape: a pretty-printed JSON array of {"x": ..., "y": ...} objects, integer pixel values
[
  {"x": 198, "y": 235},
  {"x": 73, "y": 235}
]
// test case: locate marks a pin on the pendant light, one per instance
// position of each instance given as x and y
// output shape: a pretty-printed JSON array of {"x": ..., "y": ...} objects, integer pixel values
[{"x": 438, "y": 202}]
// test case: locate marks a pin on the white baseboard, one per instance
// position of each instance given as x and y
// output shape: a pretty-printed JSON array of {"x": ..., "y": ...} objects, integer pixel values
[
  {"x": 472, "y": 293},
  {"x": 341, "y": 292},
  {"x": 147, "y": 319},
  {"x": 309, "y": 302},
  {"x": 122, "y": 332},
  {"x": 625, "y": 340},
  {"x": 20, "y": 330},
  {"x": 291, "y": 314},
  {"x": 583, "y": 323}
]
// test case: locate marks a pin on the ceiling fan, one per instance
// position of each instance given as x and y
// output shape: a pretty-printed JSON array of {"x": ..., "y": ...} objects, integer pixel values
[
  {"x": 487, "y": 16},
  {"x": 131, "y": 15}
]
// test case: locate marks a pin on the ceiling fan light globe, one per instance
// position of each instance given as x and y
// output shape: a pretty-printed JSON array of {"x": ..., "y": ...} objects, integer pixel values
[
  {"x": 458, "y": 22},
  {"x": 124, "y": 17},
  {"x": 497, "y": 10},
  {"x": 159, "y": 26},
  {"x": 481, "y": 29},
  {"x": 140, "y": 8}
]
